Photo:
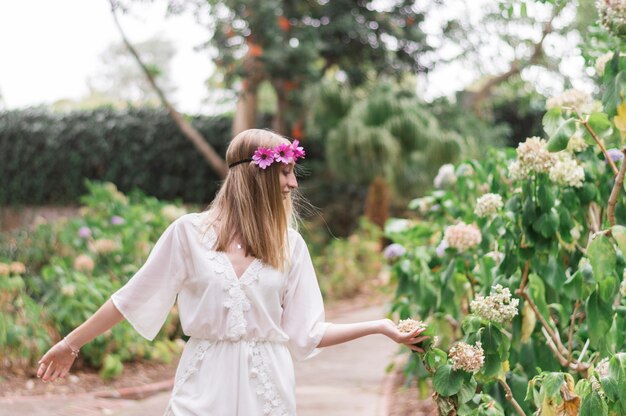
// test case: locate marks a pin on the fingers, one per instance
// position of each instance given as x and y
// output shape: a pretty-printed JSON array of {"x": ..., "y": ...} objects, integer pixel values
[
  {"x": 419, "y": 339},
  {"x": 417, "y": 331},
  {"x": 415, "y": 348},
  {"x": 48, "y": 373}
]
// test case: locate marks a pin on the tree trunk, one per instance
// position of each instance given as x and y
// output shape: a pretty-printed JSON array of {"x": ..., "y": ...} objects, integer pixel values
[
  {"x": 377, "y": 202},
  {"x": 278, "y": 121},
  {"x": 246, "y": 112},
  {"x": 247, "y": 105}
]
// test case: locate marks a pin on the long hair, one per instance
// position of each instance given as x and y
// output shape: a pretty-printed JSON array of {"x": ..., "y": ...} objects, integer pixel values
[{"x": 250, "y": 203}]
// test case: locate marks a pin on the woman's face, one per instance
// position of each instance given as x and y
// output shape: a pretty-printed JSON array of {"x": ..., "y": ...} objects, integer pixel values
[{"x": 287, "y": 179}]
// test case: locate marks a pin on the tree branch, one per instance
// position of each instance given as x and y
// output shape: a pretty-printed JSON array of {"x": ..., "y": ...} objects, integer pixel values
[
  {"x": 509, "y": 396},
  {"x": 475, "y": 99},
  {"x": 571, "y": 331},
  {"x": 216, "y": 162},
  {"x": 619, "y": 181},
  {"x": 553, "y": 340},
  {"x": 593, "y": 134}
]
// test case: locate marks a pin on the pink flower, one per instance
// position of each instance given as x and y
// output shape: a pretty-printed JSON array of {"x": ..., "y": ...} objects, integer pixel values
[
  {"x": 298, "y": 152},
  {"x": 284, "y": 153},
  {"x": 84, "y": 232},
  {"x": 263, "y": 157}
]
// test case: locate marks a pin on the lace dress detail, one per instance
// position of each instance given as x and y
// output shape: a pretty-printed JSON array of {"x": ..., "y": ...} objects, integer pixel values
[
  {"x": 192, "y": 368},
  {"x": 266, "y": 389}
]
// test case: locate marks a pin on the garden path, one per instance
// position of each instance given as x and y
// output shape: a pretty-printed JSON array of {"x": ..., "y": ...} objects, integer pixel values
[{"x": 343, "y": 380}]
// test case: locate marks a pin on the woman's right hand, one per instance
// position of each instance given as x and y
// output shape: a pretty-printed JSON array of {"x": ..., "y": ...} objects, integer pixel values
[
  {"x": 410, "y": 339},
  {"x": 56, "y": 363}
]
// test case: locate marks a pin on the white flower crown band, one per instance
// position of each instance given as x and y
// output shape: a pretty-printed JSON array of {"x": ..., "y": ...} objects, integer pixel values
[{"x": 284, "y": 153}]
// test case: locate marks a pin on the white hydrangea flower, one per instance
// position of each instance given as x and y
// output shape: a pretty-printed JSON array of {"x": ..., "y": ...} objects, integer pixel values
[
  {"x": 462, "y": 236},
  {"x": 497, "y": 307},
  {"x": 567, "y": 172},
  {"x": 576, "y": 144},
  {"x": 409, "y": 325},
  {"x": 517, "y": 171},
  {"x": 602, "y": 368},
  {"x": 467, "y": 357},
  {"x": 612, "y": 15},
  {"x": 445, "y": 177},
  {"x": 488, "y": 204},
  {"x": 533, "y": 155},
  {"x": 572, "y": 99},
  {"x": 602, "y": 61}
]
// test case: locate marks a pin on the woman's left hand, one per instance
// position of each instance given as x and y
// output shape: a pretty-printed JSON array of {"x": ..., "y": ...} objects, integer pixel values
[{"x": 389, "y": 329}]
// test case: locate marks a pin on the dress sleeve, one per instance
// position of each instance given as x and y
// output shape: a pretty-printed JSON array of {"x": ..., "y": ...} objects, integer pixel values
[
  {"x": 145, "y": 301},
  {"x": 303, "y": 306}
]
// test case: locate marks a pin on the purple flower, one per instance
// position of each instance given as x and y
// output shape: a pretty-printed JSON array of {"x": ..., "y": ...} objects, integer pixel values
[
  {"x": 615, "y": 154},
  {"x": 84, "y": 232},
  {"x": 441, "y": 248},
  {"x": 117, "y": 220},
  {"x": 394, "y": 251}
]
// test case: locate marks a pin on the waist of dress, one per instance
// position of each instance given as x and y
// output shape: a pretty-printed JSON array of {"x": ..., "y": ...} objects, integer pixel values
[{"x": 244, "y": 340}]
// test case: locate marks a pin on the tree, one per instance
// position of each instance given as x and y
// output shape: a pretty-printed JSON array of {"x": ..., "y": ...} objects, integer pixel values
[
  {"x": 121, "y": 79},
  {"x": 215, "y": 160},
  {"x": 292, "y": 44},
  {"x": 507, "y": 40}
]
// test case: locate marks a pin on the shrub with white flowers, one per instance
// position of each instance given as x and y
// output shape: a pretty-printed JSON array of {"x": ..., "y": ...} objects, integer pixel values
[
  {"x": 488, "y": 204},
  {"x": 497, "y": 307},
  {"x": 467, "y": 357},
  {"x": 462, "y": 236},
  {"x": 567, "y": 172}
]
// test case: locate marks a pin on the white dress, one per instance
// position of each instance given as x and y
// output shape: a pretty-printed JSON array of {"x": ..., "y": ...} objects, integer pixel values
[{"x": 243, "y": 331}]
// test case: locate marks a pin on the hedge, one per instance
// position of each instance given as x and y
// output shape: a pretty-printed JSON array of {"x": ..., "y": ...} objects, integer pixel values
[{"x": 45, "y": 157}]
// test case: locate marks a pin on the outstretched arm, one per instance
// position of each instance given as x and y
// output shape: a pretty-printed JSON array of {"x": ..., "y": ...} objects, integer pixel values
[
  {"x": 56, "y": 363},
  {"x": 340, "y": 333}
]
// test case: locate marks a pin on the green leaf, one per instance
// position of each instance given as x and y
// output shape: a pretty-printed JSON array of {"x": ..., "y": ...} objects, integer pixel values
[
  {"x": 537, "y": 292},
  {"x": 551, "y": 384},
  {"x": 447, "y": 381},
  {"x": 435, "y": 358},
  {"x": 619, "y": 234},
  {"x": 468, "y": 390},
  {"x": 559, "y": 140},
  {"x": 600, "y": 124},
  {"x": 614, "y": 89},
  {"x": 602, "y": 257},
  {"x": 545, "y": 196},
  {"x": 551, "y": 121},
  {"x": 573, "y": 286},
  {"x": 593, "y": 405},
  {"x": 471, "y": 324},
  {"x": 547, "y": 224},
  {"x": 599, "y": 316}
]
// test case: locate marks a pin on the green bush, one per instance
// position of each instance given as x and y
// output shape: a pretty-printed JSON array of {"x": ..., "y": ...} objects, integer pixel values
[
  {"x": 346, "y": 265},
  {"x": 518, "y": 263},
  {"x": 45, "y": 157},
  {"x": 54, "y": 277}
]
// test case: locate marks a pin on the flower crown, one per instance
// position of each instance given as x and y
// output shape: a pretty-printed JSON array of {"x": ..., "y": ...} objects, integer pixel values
[{"x": 264, "y": 156}]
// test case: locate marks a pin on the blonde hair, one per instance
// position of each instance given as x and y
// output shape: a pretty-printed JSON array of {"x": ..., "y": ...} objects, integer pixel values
[{"x": 250, "y": 202}]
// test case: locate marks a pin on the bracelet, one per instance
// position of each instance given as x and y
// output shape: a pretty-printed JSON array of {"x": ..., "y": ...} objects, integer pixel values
[{"x": 74, "y": 351}]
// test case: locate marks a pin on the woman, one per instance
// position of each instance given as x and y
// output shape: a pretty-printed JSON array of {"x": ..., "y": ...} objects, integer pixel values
[{"x": 247, "y": 293}]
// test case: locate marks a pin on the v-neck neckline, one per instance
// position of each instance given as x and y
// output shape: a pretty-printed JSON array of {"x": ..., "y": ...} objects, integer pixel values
[{"x": 232, "y": 268}]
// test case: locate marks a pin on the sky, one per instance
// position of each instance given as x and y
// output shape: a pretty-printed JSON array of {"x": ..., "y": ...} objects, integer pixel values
[{"x": 49, "y": 49}]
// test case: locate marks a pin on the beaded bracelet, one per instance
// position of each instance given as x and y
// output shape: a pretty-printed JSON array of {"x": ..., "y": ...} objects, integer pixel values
[{"x": 74, "y": 351}]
